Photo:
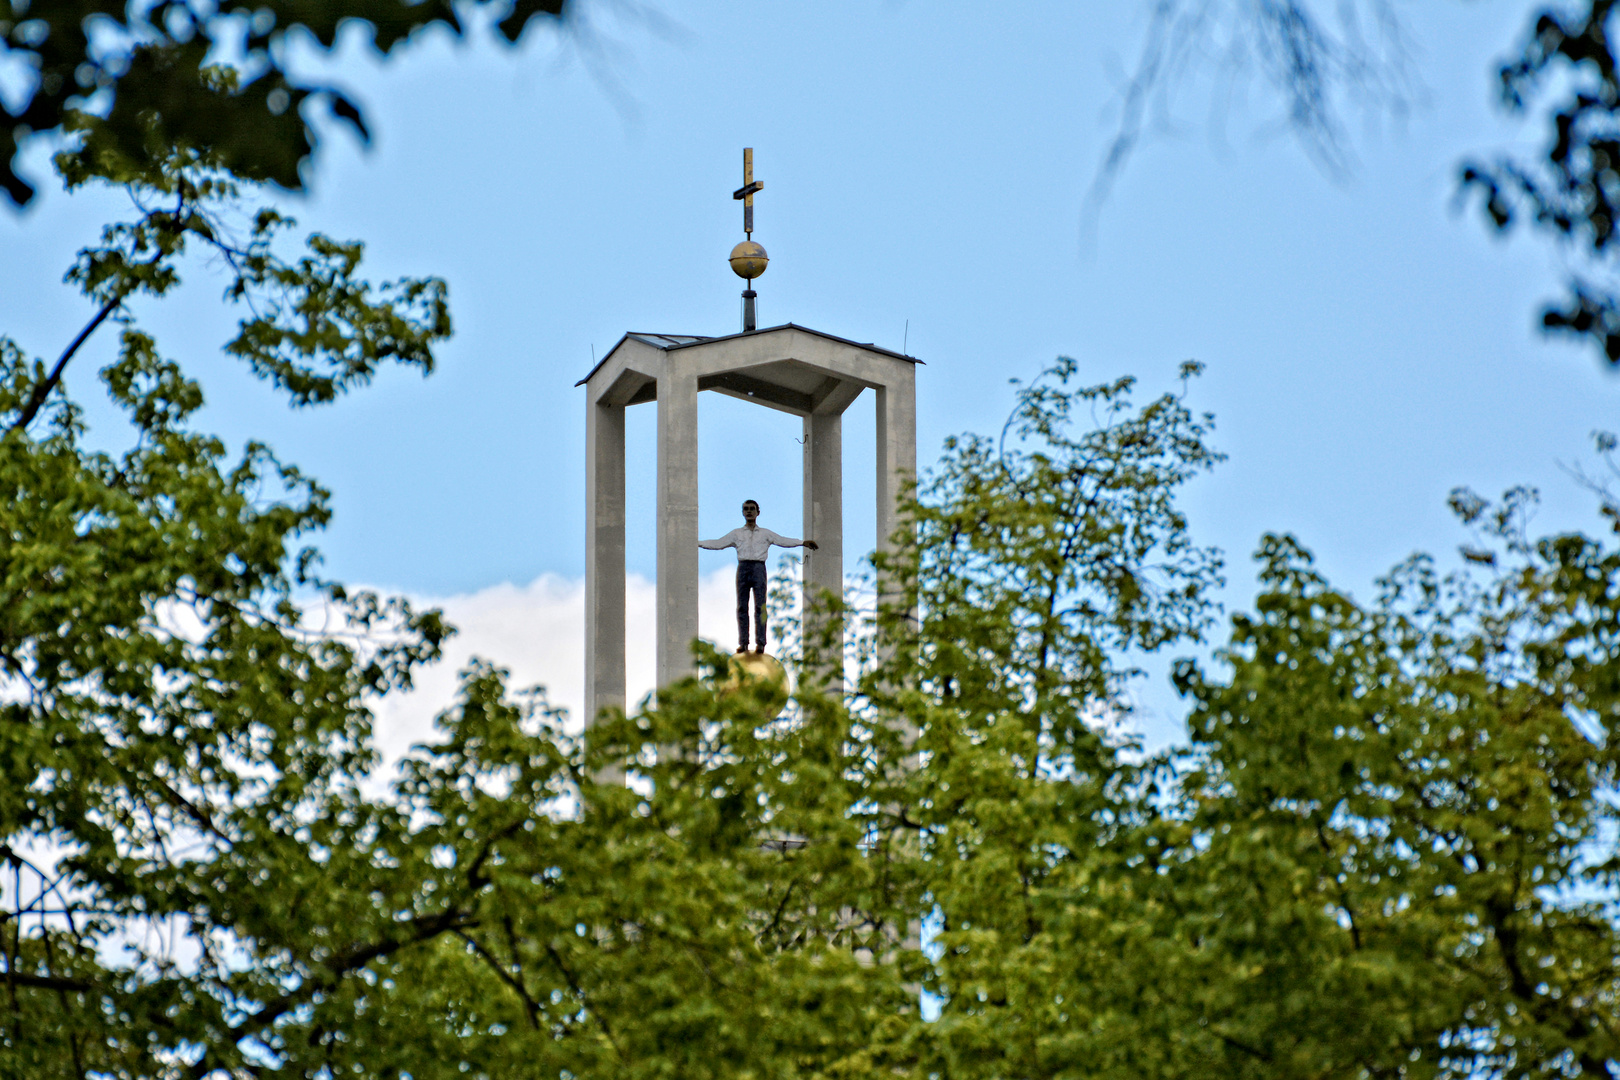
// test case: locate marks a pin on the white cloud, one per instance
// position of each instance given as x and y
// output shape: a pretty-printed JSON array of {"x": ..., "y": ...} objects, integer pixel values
[{"x": 537, "y": 632}]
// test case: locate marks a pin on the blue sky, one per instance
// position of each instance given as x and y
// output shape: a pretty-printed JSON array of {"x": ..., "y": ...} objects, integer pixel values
[{"x": 1369, "y": 346}]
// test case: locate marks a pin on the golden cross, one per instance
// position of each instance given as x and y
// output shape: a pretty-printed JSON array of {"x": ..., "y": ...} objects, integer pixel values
[{"x": 746, "y": 192}]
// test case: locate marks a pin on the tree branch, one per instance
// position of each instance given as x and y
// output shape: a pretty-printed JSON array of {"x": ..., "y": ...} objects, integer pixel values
[
  {"x": 1238, "y": 1045},
  {"x": 531, "y": 1008},
  {"x": 40, "y": 982},
  {"x": 579, "y": 993},
  {"x": 420, "y": 930},
  {"x": 36, "y": 399}
]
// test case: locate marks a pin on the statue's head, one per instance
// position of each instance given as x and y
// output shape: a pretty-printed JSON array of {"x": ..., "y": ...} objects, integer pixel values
[{"x": 750, "y": 511}]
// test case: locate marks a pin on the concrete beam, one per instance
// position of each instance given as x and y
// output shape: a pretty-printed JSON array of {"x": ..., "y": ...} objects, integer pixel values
[
  {"x": 896, "y": 449},
  {"x": 634, "y": 357},
  {"x": 836, "y": 395},
  {"x": 823, "y": 509},
  {"x": 757, "y": 391},
  {"x": 677, "y": 523},
  {"x": 836, "y": 358},
  {"x": 604, "y": 559}
]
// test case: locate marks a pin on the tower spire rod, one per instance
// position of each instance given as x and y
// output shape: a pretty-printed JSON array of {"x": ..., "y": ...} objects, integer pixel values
[{"x": 748, "y": 259}]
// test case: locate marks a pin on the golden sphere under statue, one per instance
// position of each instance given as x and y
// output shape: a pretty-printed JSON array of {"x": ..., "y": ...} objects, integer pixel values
[
  {"x": 748, "y": 260},
  {"x": 763, "y": 674}
]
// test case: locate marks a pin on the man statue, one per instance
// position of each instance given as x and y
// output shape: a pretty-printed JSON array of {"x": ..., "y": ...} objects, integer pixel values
[{"x": 753, "y": 544}]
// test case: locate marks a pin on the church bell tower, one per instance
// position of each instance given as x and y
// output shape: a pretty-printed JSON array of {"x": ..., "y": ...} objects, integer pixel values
[{"x": 810, "y": 373}]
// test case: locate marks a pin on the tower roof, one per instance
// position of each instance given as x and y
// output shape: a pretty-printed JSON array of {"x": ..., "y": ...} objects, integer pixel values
[{"x": 672, "y": 342}]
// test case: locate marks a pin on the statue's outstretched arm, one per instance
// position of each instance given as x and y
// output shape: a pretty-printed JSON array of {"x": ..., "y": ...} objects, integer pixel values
[{"x": 787, "y": 541}]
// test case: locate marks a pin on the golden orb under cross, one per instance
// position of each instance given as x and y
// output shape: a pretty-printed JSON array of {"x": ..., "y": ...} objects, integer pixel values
[{"x": 748, "y": 260}]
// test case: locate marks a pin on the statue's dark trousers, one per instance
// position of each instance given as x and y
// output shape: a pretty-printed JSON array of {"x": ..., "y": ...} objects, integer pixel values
[{"x": 751, "y": 579}]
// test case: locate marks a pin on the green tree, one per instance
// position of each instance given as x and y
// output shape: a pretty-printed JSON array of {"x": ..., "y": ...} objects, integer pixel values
[
  {"x": 173, "y": 732},
  {"x": 1565, "y": 75},
  {"x": 1041, "y": 561},
  {"x": 141, "y": 76},
  {"x": 1386, "y": 852},
  {"x": 207, "y": 876},
  {"x": 1389, "y": 850},
  {"x": 1408, "y": 809}
]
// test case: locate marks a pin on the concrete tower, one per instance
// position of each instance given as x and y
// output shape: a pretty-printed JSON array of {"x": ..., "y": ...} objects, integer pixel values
[
  {"x": 808, "y": 373},
  {"x": 791, "y": 368}
]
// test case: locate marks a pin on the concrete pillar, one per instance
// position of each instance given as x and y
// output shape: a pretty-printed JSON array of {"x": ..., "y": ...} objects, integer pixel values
[
  {"x": 823, "y": 505},
  {"x": 896, "y": 449},
  {"x": 604, "y": 558},
  {"x": 896, "y": 466},
  {"x": 677, "y": 524}
]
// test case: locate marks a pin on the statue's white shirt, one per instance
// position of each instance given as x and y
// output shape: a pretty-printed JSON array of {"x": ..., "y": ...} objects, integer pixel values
[{"x": 752, "y": 544}]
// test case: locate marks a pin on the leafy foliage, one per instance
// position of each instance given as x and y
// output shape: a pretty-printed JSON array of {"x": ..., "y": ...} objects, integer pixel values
[
  {"x": 1388, "y": 850},
  {"x": 173, "y": 736},
  {"x": 1392, "y": 810},
  {"x": 1571, "y": 193},
  {"x": 142, "y": 76},
  {"x": 207, "y": 876}
]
